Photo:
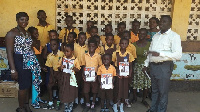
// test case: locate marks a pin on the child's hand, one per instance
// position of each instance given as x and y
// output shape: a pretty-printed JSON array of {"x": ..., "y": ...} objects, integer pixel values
[
  {"x": 120, "y": 77},
  {"x": 62, "y": 66},
  {"x": 126, "y": 76}
]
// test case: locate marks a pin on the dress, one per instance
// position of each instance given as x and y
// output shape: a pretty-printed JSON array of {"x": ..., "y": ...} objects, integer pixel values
[
  {"x": 140, "y": 80},
  {"x": 27, "y": 66}
]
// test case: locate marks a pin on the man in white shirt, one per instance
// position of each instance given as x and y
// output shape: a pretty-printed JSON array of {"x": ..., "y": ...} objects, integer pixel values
[{"x": 165, "y": 47}]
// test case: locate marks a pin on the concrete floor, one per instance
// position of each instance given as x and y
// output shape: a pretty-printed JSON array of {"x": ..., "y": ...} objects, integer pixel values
[{"x": 178, "y": 102}]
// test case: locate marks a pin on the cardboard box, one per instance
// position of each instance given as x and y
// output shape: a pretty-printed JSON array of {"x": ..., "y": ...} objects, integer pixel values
[{"x": 9, "y": 89}]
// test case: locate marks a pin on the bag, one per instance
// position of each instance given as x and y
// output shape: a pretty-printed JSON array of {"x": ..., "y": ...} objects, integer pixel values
[{"x": 6, "y": 75}]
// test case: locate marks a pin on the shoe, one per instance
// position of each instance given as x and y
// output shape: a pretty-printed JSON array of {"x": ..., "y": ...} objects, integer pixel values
[
  {"x": 149, "y": 111},
  {"x": 50, "y": 107},
  {"x": 115, "y": 108},
  {"x": 58, "y": 106},
  {"x": 127, "y": 104},
  {"x": 36, "y": 106},
  {"x": 102, "y": 110},
  {"x": 106, "y": 110},
  {"x": 145, "y": 104},
  {"x": 20, "y": 110}
]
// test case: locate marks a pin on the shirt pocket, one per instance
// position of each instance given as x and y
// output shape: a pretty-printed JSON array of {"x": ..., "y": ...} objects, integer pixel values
[{"x": 166, "y": 46}]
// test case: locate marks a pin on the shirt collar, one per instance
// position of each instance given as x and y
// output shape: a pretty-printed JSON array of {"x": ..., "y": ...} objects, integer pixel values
[
  {"x": 43, "y": 26},
  {"x": 93, "y": 55},
  {"x": 70, "y": 58},
  {"x": 56, "y": 54},
  {"x": 106, "y": 46},
  {"x": 108, "y": 67},
  {"x": 167, "y": 32},
  {"x": 121, "y": 53}
]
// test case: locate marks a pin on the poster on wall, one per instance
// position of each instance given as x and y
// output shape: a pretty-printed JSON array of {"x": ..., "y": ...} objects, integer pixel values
[
  {"x": 187, "y": 68},
  {"x": 3, "y": 59}
]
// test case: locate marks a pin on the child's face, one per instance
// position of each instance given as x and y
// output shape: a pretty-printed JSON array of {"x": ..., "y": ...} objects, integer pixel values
[
  {"x": 82, "y": 39},
  {"x": 142, "y": 34},
  {"x": 108, "y": 29},
  {"x": 54, "y": 45},
  {"x": 53, "y": 35},
  {"x": 98, "y": 41},
  {"x": 123, "y": 44},
  {"x": 69, "y": 21},
  {"x": 42, "y": 16},
  {"x": 121, "y": 28},
  {"x": 89, "y": 25},
  {"x": 109, "y": 40},
  {"x": 93, "y": 32},
  {"x": 127, "y": 35},
  {"x": 70, "y": 38},
  {"x": 135, "y": 26},
  {"x": 92, "y": 47},
  {"x": 152, "y": 24},
  {"x": 68, "y": 52},
  {"x": 35, "y": 34},
  {"x": 106, "y": 60}
]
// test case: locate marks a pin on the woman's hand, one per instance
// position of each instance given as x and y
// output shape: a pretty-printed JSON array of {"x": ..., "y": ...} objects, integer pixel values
[
  {"x": 44, "y": 69},
  {"x": 14, "y": 76}
]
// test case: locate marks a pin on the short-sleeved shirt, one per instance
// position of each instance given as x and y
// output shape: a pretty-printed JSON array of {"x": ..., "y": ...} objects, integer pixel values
[
  {"x": 103, "y": 39},
  {"x": 102, "y": 70},
  {"x": 53, "y": 60},
  {"x": 87, "y": 35},
  {"x": 117, "y": 39},
  {"x": 131, "y": 49},
  {"x": 64, "y": 30},
  {"x": 106, "y": 48},
  {"x": 134, "y": 37},
  {"x": 44, "y": 34},
  {"x": 114, "y": 56},
  {"x": 79, "y": 52},
  {"x": 98, "y": 50},
  {"x": 94, "y": 61}
]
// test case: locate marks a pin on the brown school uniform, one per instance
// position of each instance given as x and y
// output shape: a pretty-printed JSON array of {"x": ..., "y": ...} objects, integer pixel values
[
  {"x": 94, "y": 61},
  {"x": 106, "y": 93},
  {"x": 68, "y": 93},
  {"x": 122, "y": 85}
]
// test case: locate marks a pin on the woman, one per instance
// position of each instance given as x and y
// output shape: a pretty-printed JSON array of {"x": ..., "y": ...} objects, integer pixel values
[
  {"x": 22, "y": 61},
  {"x": 141, "y": 80}
]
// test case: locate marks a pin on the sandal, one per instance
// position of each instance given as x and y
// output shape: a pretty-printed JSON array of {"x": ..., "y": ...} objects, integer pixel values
[
  {"x": 145, "y": 104},
  {"x": 20, "y": 109}
]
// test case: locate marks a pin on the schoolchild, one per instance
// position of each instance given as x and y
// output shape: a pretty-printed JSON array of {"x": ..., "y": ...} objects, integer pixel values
[
  {"x": 108, "y": 29},
  {"x": 55, "y": 76},
  {"x": 65, "y": 31},
  {"x": 91, "y": 59},
  {"x": 135, "y": 31},
  {"x": 89, "y": 25},
  {"x": 106, "y": 94},
  {"x": 121, "y": 27},
  {"x": 69, "y": 87},
  {"x": 122, "y": 86}
]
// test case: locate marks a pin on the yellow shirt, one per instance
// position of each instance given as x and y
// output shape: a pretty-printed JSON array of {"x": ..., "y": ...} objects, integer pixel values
[
  {"x": 106, "y": 48},
  {"x": 87, "y": 35},
  {"x": 64, "y": 30},
  {"x": 53, "y": 60},
  {"x": 102, "y": 70},
  {"x": 103, "y": 39},
  {"x": 117, "y": 39},
  {"x": 98, "y": 50},
  {"x": 131, "y": 49},
  {"x": 79, "y": 52},
  {"x": 134, "y": 37},
  {"x": 44, "y": 34},
  {"x": 94, "y": 61},
  {"x": 114, "y": 57}
]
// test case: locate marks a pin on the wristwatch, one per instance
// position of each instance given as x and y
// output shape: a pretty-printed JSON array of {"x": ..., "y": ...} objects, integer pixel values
[{"x": 12, "y": 71}]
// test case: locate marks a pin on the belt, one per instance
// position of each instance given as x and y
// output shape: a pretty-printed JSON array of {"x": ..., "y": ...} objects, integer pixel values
[{"x": 160, "y": 63}]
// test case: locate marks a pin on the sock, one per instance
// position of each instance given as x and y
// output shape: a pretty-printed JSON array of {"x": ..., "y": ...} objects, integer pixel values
[
  {"x": 76, "y": 101},
  {"x": 58, "y": 102},
  {"x": 97, "y": 99},
  {"x": 91, "y": 98},
  {"x": 82, "y": 100},
  {"x": 54, "y": 93}
]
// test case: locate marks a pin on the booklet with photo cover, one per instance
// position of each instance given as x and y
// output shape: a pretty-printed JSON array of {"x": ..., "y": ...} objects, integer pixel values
[
  {"x": 69, "y": 64},
  {"x": 90, "y": 74},
  {"x": 123, "y": 68},
  {"x": 106, "y": 81}
]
